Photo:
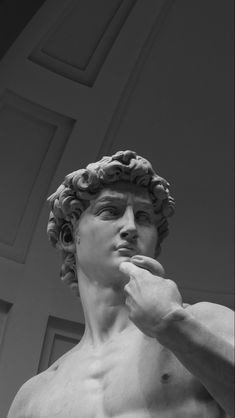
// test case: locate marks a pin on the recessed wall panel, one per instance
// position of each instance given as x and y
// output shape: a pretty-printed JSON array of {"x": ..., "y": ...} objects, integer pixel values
[
  {"x": 24, "y": 143},
  {"x": 81, "y": 38},
  {"x": 14, "y": 16},
  {"x": 4, "y": 312},
  {"x": 32, "y": 141},
  {"x": 61, "y": 335}
]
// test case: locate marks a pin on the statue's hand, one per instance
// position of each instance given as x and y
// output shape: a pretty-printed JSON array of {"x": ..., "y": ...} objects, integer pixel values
[{"x": 149, "y": 297}]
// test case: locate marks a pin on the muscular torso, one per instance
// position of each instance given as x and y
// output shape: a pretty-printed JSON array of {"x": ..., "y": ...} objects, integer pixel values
[{"x": 130, "y": 376}]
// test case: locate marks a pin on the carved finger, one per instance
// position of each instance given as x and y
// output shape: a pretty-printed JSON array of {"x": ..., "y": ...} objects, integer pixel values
[
  {"x": 130, "y": 269},
  {"x": 127, "y": 289},
  {"x": 148, "y": 263}
]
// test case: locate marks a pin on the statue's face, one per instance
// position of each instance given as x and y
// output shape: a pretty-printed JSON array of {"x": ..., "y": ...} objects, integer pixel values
[{"x": 119, "y": 223}]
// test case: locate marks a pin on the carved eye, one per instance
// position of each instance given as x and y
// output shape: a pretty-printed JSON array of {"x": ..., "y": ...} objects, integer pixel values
[
  {"x": 143, "y": 216},
  {"x": 111, "y": 210}
]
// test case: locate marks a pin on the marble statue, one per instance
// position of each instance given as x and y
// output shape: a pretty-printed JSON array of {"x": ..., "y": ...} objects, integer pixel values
[{"x": 145, "y": 353}]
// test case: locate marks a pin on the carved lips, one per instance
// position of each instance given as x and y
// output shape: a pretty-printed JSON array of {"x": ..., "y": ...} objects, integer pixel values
[{"x": 127, "y": 249}]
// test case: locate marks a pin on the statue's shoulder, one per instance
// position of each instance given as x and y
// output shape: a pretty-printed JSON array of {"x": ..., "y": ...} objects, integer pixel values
[
  {"x": 22, "y": 403},
  {"x": 217, "y": 317}
]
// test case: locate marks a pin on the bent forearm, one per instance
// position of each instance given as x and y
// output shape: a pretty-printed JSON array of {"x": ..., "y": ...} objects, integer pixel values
[{"x": 207, "y": 356}]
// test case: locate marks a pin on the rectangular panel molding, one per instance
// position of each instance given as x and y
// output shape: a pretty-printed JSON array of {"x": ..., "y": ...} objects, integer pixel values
[
  {"x": 14, "y": 16},
  {"x": 80, "y": 40},
  {"x": 4, "y": 313},
  {"x": 32, "y": 141},
  {"x": 61, "y": 336}
]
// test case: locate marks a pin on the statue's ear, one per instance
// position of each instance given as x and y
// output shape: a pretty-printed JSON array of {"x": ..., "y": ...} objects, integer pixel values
[{"x": 67, "y": 238}]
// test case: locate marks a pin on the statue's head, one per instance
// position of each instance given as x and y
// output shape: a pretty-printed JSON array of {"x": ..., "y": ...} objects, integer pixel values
[{"x": 80, "y": 187}]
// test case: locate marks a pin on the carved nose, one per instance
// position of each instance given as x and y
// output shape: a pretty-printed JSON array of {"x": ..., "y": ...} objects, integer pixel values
[
  {"x": 129, "y": 230},
  {"x": 129, "y": 234}
]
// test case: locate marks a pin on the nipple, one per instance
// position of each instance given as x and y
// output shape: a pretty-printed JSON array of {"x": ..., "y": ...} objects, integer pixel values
[{"x": 165, "y": 378}]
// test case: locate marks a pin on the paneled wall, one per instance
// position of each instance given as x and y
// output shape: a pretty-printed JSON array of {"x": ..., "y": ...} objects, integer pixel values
[{"x": 87, "y": 78}]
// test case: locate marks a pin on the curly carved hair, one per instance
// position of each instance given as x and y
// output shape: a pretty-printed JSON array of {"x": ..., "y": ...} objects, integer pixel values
[{"x": 79, "y": 187}]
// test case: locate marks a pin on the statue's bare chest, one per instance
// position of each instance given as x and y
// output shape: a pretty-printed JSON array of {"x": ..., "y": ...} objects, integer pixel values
[{"x": 129, "y": 378}]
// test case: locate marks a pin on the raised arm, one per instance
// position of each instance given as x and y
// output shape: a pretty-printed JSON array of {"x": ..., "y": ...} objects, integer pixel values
[{"x": 200, "y": 336}]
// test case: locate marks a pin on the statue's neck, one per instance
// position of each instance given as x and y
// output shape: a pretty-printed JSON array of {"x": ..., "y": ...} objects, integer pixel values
[{"x": 105, "y": 311}]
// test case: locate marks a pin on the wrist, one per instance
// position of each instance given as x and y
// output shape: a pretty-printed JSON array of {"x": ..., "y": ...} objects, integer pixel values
[
  {"x": 171, "y": 326},
  {"x": 176, "y": 315}
]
